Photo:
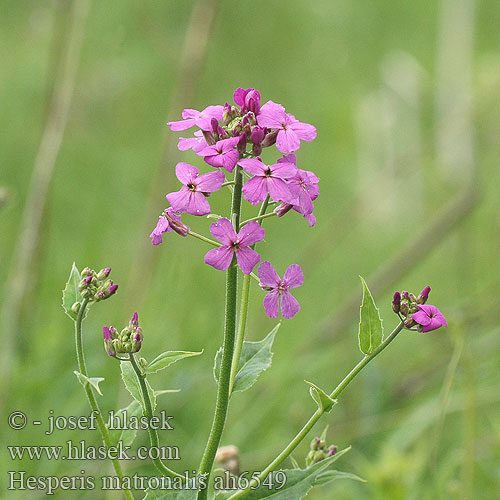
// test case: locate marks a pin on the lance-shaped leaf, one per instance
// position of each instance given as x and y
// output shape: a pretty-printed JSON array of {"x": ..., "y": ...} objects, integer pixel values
[
  {"x": 133, "y": 386},
  {"x": 298, "y": 481},
  {"x": 71, "y": 294},
  {"x": 370, "y": 324},
  {"x": 255, "y": 358},
  {"x": 332, "y": 475},
  {"x": 167, "y": 358},
  {"x": 322, "y": 399},
  {"x": 93, "y": 381}
]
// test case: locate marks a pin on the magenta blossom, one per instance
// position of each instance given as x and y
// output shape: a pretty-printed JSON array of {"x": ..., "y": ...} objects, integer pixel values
[
  {"x": 222, "y": 154},
  {"x": 202, "y": 119},
  {"x": 234, "y": 244},
  {"x": 429, "y": 318},
  {"x": 168, "y": 221},
  {"x": 163, "y": 226},
  {"x": 278, "y": 289},
  {"x": 290, "y": 130},
  {"x": 266, "y": 180},
  {"x": 196, "y": 143},
  {"x": 192, "y": 196}
]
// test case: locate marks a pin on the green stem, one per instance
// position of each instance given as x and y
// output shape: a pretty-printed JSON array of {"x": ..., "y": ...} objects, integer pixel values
[
  {"x": 148, "y": 411},
  {"x": 259, "y": 217},
  {"x": 204, "y": 238},
  {"x": 222, "y": 402},
  {"x": 316, "y": 416},
  {"x": 245, "y": 294},
  {"x": 82, "y": 367}
]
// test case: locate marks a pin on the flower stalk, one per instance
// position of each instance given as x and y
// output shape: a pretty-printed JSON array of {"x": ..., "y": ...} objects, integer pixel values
[
  {"x": 316, "y": 416},
  {"x": 82, "y": 367},
  {"x": 223, "y": 389},
  {"x": 148, "y": 412}
]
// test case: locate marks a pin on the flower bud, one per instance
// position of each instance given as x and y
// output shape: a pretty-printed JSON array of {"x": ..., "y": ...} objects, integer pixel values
[
  {"x": 176, "y": 224},
  {"x": 404, "y": 308},
  {"x": 258, "y": 135},
  {"x": 332, "y": 450},
  {"x": 76, "y": 307},
  {"x": 424, "y": 295},
  {"x": 103, "y": 273},
  {"x": 405, "y": 295},
  {"x": 282, "y": 209},
  {"x": 396, "y": 302},
  {"x": 409, "y": 323},
  {"x": 315, "y": 444},
  {"x": 270, "y": 139}
]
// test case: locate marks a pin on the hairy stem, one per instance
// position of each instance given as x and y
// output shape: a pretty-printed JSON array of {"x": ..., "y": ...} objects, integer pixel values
[
  {"x": 316, "y": 416},
  {"x": 204, "y": 238},
  {"x": 82, "y": 367},
  {"x": 222, "y": 402},
  {"x": 259, "y": 217},
  {"x": 148, "y": 411}
]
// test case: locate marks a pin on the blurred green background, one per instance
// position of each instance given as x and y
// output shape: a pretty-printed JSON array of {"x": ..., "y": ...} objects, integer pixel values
[{"x": 405, "y": 97}]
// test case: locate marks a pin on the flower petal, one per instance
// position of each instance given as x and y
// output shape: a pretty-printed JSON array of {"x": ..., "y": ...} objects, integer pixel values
[
  {"x": 182, "y": 124},
  {"x": 289, "y": 305},
  {"x": 255, "y": 190},
  {"x": 268, "y": 275},
  {"x": 304, "y": 131},
  {"x": 223, "y": 231},
  {"x": 247, "y": 259},
  {"x": 293, "y": 277},
  {"x": 186, "y": 173},
  {"x": 272, "y": 115},
  {"x": 283, "y": 170},
  {"x": 198, "y": 204},
  {"x": 210, "y": 182},
  {"x": 250, "y": 233},
  {"x": 180, "y": 199},
  {"x": 287, "y": 141},
  {"x": 422, "y": 318},
  {"x": 279, "y": 190},
  {"x": 253, "y": 166},
  {"x": 271, "y": 304},
  {"x": 220, "y": 258}
]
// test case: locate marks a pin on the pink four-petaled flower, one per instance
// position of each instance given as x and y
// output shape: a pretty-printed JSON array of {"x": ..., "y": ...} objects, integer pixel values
[
  {"x": 222, "y": 153},
  {"x": 429, "y": 317},
  {"x": 202, "y": 119},
  {"x": 266, "y": 180},
  {"x": 279, "y": 289},
  {"x": 191, "y": 198},
  {"x": 234, "y": 244},
  {"x": 290, "y": 130}
]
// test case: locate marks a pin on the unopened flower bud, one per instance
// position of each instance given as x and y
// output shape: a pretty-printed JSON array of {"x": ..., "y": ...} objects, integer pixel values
[
  {"x": 258, "y": 135},
  {"x": 424, "y": 295},
  {"x": 409, "y": 323},
  {"x": 76, "y": 307},
  {"x": 282, "y": 209},
  {"x": 270, "y": 139},
  {"x": 86, "y": 272},
  {"x": 405, "y": 295},
  {"x": 210, "y": 137},
  {"x": 103, "y": 273},
  {"x": 396, "y": 302},
  {"x": 332, "y": 450},
  {"x": 412, "y": 297},
  {"x": 404, "y": 308},
  {"x": 315, "y": 443},
  {"x": 134, "y": 321},
  {"x": 176, "y": 224}
]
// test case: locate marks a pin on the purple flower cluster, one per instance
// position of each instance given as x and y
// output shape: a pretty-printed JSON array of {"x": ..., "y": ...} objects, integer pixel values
[{"x": 232, "y": 135}]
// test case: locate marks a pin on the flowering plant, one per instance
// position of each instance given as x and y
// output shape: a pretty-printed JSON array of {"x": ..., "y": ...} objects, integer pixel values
[{"x": 231, "y": 139}]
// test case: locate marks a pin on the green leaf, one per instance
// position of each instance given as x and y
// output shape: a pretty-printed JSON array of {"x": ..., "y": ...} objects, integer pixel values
[
  {"x": 165, "y": 391},
  {"x": 134, "y": 387},
  {"x": 94, "y": 381},
  {"x": 171, "y": 495},
  {"x": 127, "y": 436},
  {"x": 370, "y": 324},
  {"x": 298, "y": 481},
  {"x": 167, "y": 358},
  {"x": 332, "y": 475},
  {"x": 322, "y": 399},
  {"x": 255, "y": 358},
  {"x": 71, "y": 294}
]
